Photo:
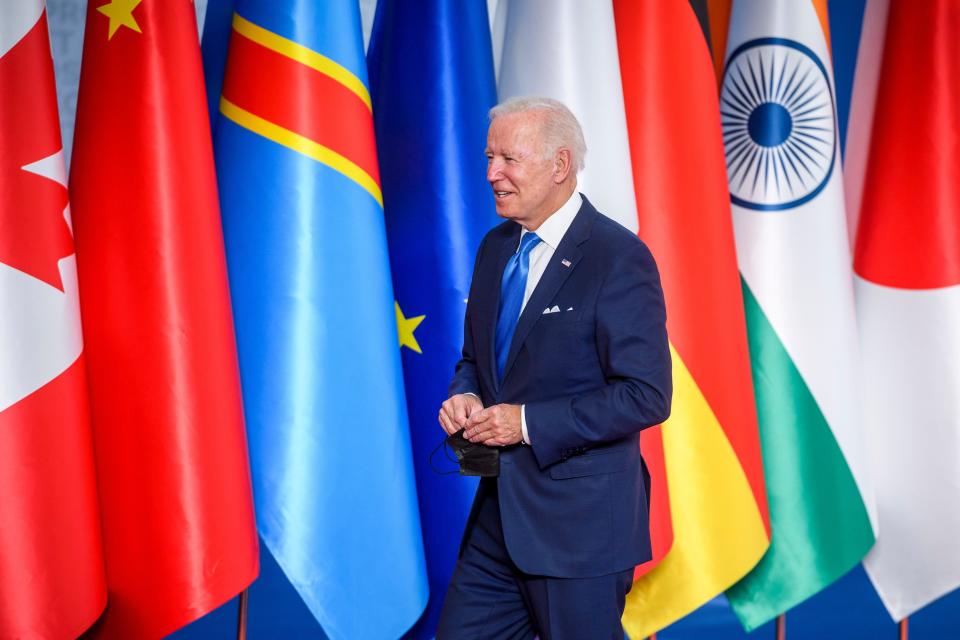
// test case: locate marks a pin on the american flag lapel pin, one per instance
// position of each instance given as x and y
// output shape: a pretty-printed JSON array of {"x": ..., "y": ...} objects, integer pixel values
[{"x": 565, "y": 262}]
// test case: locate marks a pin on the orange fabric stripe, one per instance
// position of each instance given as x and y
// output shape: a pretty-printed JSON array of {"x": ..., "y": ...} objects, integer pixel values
[{"x": 821, "y": 8}]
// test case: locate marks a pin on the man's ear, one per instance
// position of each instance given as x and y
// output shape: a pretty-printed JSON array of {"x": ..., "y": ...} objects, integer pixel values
[{"x": 562, "y": 165}]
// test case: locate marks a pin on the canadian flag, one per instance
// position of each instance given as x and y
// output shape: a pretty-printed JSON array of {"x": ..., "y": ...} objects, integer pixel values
[{"x": 51, "y": 562}]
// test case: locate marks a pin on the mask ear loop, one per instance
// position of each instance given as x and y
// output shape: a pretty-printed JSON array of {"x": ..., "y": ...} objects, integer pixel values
[{"x": 446, "y": 451}]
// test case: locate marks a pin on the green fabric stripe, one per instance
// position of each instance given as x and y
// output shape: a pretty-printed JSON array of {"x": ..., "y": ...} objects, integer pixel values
[{"x": 819, "y": 523}]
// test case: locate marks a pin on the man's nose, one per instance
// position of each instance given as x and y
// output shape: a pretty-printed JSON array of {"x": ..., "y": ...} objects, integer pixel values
[{"x": 493, "y": 170}]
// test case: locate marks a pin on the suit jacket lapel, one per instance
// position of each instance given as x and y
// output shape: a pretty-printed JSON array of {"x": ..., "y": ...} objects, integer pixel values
[{"x": 553, "y": 278}]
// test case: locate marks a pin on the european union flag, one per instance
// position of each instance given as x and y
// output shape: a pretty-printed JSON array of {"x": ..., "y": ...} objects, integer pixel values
[
  {"x": 314, "y": 309},
  {"x": 431, "y": 70}
]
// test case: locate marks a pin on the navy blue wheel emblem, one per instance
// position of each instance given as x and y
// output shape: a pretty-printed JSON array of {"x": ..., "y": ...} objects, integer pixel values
[{"x": 777, "y": 113}]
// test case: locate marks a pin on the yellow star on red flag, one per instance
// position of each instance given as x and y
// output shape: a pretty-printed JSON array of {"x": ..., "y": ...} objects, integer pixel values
[
  {"x": 120, "y": 13},
  {"x": 406, "y": 327}
]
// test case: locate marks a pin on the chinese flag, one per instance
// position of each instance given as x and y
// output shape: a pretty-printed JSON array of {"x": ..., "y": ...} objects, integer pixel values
[{"x": 171, "y": 456}]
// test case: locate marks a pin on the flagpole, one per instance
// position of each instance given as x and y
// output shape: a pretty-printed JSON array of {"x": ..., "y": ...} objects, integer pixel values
[
  {"x": 904, "y": 630},
  {"x": 782, "y": 626},
  {"x": 242, "y": 615}
]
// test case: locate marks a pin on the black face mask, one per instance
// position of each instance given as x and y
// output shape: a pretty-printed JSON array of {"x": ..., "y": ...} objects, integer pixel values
[{"x": 475, "y": 459}]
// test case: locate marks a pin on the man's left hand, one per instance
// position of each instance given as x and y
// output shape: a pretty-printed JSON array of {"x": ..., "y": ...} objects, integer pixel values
[{"x": 496, "y": 426}]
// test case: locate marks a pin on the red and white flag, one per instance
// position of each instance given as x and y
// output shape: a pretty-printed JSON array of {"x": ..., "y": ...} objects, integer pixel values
[
  {"x": 907, "y": 263},
  {"x": 51, "y": 562}
]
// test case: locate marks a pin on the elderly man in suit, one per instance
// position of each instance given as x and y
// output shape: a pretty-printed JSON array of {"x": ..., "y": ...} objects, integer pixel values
[{"x": 565, "y": 360}]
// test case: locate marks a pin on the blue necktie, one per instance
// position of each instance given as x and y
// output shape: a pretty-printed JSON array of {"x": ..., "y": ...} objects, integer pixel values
[{"x": 512, "y": 287}]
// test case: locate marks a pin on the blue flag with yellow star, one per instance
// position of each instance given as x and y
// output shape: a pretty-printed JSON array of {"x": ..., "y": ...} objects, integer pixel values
[
  {"x": 431, "y": 70},
  {"x": 315, "y": 317}
]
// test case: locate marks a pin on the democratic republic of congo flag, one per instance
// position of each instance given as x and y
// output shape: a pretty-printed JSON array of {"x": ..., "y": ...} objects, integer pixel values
[
  {"x": 315, "y": 316},
  {"x": 709, "y": 521},
  {"x": 778, "y": 116}
]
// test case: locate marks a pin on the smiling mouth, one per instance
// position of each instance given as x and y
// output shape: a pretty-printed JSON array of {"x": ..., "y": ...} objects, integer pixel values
[{"x": 501, "y": 194}]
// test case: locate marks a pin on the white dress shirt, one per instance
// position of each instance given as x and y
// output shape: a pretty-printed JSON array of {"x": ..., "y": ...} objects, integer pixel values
[{"x": 551, "y": 232}]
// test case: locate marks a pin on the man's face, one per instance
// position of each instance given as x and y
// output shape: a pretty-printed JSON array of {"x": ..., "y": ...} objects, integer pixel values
[{"x": 521, "y": 178}]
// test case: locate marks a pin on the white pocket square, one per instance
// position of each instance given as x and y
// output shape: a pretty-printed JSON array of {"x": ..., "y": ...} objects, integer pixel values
[{"x": 553, "y": 309}]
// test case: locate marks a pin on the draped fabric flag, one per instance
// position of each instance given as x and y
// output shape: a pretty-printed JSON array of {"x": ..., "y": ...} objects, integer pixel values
[
  {"x": 172, "y": 469},
  {"x": 907, "y": 262},
  {"x": 52, "y": 581},
  {"x": 779, "y": 127},
  {"x": 315, "y": 316},
  {"x": 567, "y": 50},
  {"x": 431, "y": 76},
  {"x": 863, "y": 94},
  {"x": 711, "y": 448}
]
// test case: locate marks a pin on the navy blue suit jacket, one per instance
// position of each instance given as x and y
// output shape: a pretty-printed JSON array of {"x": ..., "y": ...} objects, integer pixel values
[{"x": 574, "y": 504}]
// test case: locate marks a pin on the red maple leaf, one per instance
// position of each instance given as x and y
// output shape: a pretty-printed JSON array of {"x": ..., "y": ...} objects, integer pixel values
[{"x": 34, "y": 235}]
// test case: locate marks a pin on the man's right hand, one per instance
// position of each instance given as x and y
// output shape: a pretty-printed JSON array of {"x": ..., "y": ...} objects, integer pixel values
[{"x": 456, "y": 409}]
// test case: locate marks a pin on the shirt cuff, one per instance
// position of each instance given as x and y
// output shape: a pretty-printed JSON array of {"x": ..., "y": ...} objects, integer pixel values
[{"x": 523, "y": 424}]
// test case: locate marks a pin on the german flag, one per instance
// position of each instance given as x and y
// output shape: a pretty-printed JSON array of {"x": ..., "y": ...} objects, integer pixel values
[{"x": 709, "y": 516}]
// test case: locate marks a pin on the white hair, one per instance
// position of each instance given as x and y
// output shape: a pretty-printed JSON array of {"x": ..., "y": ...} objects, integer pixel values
[{"x": 560, "y": 128}]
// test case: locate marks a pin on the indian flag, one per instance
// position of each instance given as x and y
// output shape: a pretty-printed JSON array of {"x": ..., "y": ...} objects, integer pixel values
[
  {"x": 709, "y": 523},
  {"x": 783, "y": 166}
]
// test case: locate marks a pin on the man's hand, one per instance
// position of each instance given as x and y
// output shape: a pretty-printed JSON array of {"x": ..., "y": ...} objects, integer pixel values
[
  {"x": 496, "y": 426},
  {"x": 455, "y": 411}
]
